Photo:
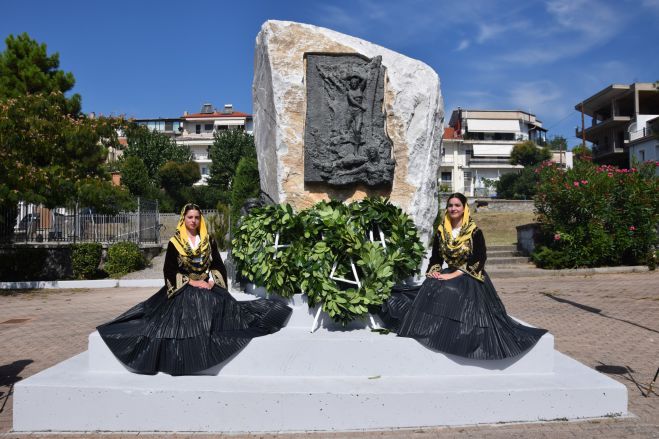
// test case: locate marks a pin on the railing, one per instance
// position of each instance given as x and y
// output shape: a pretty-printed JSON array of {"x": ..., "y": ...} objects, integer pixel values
[
  {"x": 639, "y": 134},
  {"x": 30, "y": 223}
]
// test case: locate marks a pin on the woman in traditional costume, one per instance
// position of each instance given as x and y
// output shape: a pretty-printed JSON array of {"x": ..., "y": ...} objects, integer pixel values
[
  {"x": 457, "y": 310},
  {"x": 192, "y": 323}
]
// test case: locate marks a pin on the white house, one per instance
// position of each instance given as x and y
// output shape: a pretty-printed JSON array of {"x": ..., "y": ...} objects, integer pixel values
[
  {"x": 643, "y": 140},
  {"x": 196, "y": 131},
  {"x": 476, "y": 147}
]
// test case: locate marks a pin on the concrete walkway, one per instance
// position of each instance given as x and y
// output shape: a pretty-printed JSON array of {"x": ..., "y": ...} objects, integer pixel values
[{"x": 607, "y": 321}]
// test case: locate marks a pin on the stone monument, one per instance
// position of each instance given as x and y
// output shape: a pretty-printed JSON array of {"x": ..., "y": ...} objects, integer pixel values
[{"x": 339, "y": 117}]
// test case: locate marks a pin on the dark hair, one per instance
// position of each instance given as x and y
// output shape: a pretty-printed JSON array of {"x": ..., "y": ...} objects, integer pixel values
[
  {"x": 459, "y": 196},
  {"x": 190, "y": 206}
]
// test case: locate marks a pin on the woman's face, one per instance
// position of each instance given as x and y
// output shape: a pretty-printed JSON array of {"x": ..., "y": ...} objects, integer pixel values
[
  {"x": 192, "y": 220},
  {"x": 455, "y": 209}
]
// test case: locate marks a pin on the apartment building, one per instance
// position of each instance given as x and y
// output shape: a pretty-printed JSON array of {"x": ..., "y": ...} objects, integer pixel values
[
  {"x": 620, "y": 124},
  {"x": 196, "y": 131},
  {"x": 476, "y": 147}
]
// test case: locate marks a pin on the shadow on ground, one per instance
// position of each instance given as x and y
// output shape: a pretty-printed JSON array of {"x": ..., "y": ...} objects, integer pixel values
[{"x": 10, "y": 375}]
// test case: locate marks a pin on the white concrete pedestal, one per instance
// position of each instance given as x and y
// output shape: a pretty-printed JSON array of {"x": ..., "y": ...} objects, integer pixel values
[{"x": 331, "y": 379}]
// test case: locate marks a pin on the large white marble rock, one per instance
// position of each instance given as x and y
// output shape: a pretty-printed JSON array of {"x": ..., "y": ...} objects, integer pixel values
[{"x": 414, "y": 117}]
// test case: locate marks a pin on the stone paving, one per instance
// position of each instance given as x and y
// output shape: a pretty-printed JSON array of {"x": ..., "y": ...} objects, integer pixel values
[{"x": 607, "y": 321}]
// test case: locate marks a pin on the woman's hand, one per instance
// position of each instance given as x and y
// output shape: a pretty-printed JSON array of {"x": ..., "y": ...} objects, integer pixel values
[
  {"x": 201, "y": 284},
  {"x": 445, "y": 276}
]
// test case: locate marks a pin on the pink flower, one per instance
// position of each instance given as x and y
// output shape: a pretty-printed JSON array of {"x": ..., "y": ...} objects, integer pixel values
[
  {"x": 576, "y": 183},
  {"x": 610, "y": 174},
  {"x": 584, "y": 181},
  {"x": 557, "y": 237},
  {"x": 632, "y": 228}
]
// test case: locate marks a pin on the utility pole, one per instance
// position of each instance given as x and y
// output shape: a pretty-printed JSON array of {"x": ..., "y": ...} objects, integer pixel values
[{"x": 583, "y": 130}]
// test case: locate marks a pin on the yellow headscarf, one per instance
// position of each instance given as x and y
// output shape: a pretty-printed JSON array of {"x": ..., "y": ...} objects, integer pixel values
[
  {"x": 454, "y": 245},
  {"x": 180, "y": 238}
]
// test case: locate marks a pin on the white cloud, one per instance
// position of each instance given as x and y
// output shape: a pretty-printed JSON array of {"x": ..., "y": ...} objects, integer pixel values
[
  {"x": 542, "y": 98},
  {"x": 462, "y": 46},
  {"x": 337, "y": 18},
  {"x": 651, "y": 4},
  {"x": 490, "y": 30},
  {"x": 573, "y": 27}
]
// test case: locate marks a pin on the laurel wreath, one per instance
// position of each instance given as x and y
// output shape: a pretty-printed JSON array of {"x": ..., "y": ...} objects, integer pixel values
[{"x": 317, "y": 238}]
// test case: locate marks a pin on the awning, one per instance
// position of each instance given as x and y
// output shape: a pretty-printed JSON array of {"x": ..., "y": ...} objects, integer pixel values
[
  {"x": 492, "y": 150},
  {"x": 493, "y": 126}
]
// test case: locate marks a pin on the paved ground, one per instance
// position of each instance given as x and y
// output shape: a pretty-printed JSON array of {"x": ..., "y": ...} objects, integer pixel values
[{"x": 606, "y": 321}]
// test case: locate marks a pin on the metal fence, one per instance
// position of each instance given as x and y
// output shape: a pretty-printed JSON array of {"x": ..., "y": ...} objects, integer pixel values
[{"x": 30, "y": 223}]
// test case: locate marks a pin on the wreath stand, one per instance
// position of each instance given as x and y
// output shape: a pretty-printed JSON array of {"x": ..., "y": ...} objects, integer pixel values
[{"x": 354, "y": 281}]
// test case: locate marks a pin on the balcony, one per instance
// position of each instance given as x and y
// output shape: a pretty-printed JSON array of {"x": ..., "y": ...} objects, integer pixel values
[
  {"x": 640, "y": 134},
  {"x": 600, "y": 126}
]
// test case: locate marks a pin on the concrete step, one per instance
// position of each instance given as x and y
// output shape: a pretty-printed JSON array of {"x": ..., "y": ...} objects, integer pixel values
[
  {"x": 70, "y": 397},
  {"x": 508, "y": 260},
  {"x": 509, "y": 248},
  {"x": 502, "y": 253},
  {"x": 363, "y": 353}
]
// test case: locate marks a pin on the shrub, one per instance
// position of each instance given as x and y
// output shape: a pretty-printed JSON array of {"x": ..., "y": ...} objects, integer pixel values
[
  {"x": 245, "y": 185},
  {"x": 123, "y": 257},
  {"x": 219, "y": 226},
  {"x": 85, "y": 259},
  {"x": 517, "y": 186},
  {"x": 24, "y": 264},
  {"x": 596, "y": 215}
]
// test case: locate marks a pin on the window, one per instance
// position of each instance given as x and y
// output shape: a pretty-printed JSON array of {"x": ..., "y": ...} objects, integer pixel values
[
  {"x": 222, "y": 127},
  {"x": 469, "y": 152},
  {"x": 197, "y": 129},
  {"x": 641, "y": 155},
  {"x": 467, "y": 182},
  {"x": 204, "y": 171},
  {"x": 446, "y": 177},
  {"x": 208, "y": 127},
  {"x": 169, "y": 126}
]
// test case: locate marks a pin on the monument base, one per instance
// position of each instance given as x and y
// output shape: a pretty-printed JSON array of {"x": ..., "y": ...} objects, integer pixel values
[{"x": 332, "y": 380}]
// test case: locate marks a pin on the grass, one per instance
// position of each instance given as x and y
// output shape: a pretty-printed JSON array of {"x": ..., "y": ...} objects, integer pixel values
[{"x": 499, "y": 227}]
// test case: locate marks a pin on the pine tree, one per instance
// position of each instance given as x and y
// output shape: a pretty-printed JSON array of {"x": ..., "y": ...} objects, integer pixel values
[{"x": 26, "y": 68}]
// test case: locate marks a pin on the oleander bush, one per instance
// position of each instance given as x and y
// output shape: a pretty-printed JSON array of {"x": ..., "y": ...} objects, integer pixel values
[
  {"x": 123, "y": 258},
  {"x": 593, "y": 215},
  {"x": 85, "y": 259}
]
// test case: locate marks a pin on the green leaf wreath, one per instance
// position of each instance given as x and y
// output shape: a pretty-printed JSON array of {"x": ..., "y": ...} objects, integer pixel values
[{"x": 329, "y": 233}]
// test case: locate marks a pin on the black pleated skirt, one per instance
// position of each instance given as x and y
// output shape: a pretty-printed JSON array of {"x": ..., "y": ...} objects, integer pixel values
[
  {"x": 193, "y": 331},
  {"x": 461, "y": 316}
]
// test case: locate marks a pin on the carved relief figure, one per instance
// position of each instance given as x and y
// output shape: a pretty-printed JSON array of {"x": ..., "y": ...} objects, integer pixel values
[{"x": 345, "y": 141}]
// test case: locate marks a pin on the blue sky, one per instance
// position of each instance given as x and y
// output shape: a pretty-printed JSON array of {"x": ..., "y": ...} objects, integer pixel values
[{"x": 160, "y": 58}]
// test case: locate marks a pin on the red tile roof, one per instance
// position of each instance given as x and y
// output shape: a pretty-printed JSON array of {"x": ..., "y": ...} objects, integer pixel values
[
  {"x": 216, "y": 114},
  {"x": 450, "y": 133}
]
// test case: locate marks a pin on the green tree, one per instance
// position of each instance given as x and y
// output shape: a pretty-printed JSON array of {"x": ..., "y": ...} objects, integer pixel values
[
  {"x": 517, "y": 186},
  {"x": 245, "y": 185},
  {"x": 49, "y": 157},
  {"x": 228, "y": 148},
  {"x": 529, "y": 154},
  {"x": 582, "y": 153},
  {"x": 26, "y": 68},
  {"x": 557, "y": 143},
  {"x": 177, "y": 180},
  {"x": 153, "y": 148},
  {"x": 135, "y": 177}
]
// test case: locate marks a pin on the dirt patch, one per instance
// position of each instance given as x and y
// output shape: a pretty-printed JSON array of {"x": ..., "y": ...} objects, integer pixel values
[{"x": 499, "y": 227}]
